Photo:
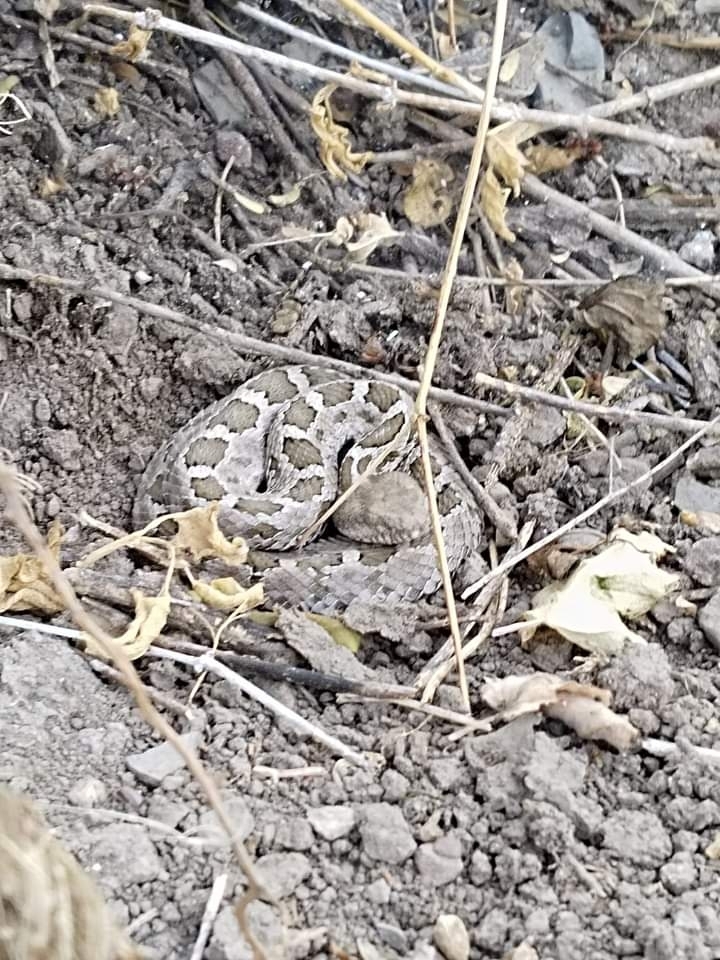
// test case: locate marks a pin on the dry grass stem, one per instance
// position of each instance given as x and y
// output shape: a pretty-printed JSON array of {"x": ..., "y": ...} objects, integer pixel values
[{"x": 421, "y": 413}]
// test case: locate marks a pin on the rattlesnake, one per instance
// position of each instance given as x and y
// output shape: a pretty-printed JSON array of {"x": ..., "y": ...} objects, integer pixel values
[{"x": 269, "y": 454}]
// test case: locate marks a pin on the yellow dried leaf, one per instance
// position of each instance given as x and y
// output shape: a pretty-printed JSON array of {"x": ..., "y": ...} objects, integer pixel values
[
  {"x": 493, "y": 200},
  {"x": 254, "y": 206},
  {"x": 127, "y": 72},
  {"x": 335, "y": 148},
  {"x": 342, "y": 635},
  {"x": 285, "y": 199},
  {"x": 134, "y": 47},
  {"x": 509, "y": 66},
  {"x": 106, "y": 101},
  {"x": 542, "y": 158},
  {"x": 373, "y": 230},
  {"x": 712, "y": 851},
  {"x": 151, "y": 615},
  {"x": 198, "y": 533},
  {"x": 24, "y": 584},
  {"x": 506, "y": 159},
  {"x": 427, "y": 202},
  {"x": 50, "y": 186},
  {"x": 227, "y": 594}
]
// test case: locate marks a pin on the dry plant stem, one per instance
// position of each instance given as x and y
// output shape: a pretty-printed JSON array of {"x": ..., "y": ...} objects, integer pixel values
[
  {"x": 211, "y": 911},
  {"x": 421, "y": 414},
  {"x": 343, "y": 53},
  {"x": 443, "y": 659},
  {"x": 17, "y": 514},
  {"x": 610, "y": 414},
  {"x": 664, "y": 260},
  {"x": 503, "y": 523},
  {"x": 649, "y": 475},
  {"x": 212, "y": 665},
  {"x": 419, "y": 56},
  {"x": 277, "y": 351},
  {"x": 583, "y": 123}
]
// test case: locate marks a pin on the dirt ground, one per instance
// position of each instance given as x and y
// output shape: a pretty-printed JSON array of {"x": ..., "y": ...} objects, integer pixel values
[{"x": 531, "y": 835}]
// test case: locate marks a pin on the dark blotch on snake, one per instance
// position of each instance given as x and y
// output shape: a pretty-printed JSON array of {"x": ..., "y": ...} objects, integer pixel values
[
  {"x": 276, "y": 384},
  {"x": 207, "y": 488},
  {"x": 299, "y": 414},
  {"x": 341, "y": 391},
  {"x": 307, "y": 489},
  {"x": 207, "y": 451},
  {"x": 249, "y": 505},
  {"x": 302, "y": 453},
  {"x": 385, "y": 433},
  {"x": 382, "y": 395},
  {"x": 238, "y": 416}
]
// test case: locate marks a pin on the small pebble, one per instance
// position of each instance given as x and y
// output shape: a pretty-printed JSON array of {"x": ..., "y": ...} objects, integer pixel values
[{"x": 451, "y": 937}]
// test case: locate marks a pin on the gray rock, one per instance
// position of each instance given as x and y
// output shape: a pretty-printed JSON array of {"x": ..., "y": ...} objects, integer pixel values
[
  {"x": 227, "y": 941},
  {"x": 393, "y": 936},
  {"x": 679, "y": 874},
  {"x": 451, "y": 937},
  {"x": 332, "y": 822},
  {"x": 232, "y": 143},
  {"x": 88, "y": 792},
  {"x": 700, "y": 250},
  {"x": 282, "y": 873},
  {"x": 237, "y": 809},
  {"x": 167, "y": 811},
  {"x": 395, "y": 785},
  {"x": 703, "y": 561},
  {"x": 295, "y": 834},
  {"x": 492, "y": 932},
  {"x": 385, "y": 834},
  {"x": 153, "y": 765},
  {"x": 705, "y": 463},
  {"x": 124, "y": 855},
  {"x": 445, "y": 772},
  {"x": 638, "y": 837},
  {"x": 378, "y": 892},
  {"x": 709, "y": 620},
  {"x": 440, "y": 862},
  {"x": 696, "y": 497},
  {"x": 63, "y": 448},
  {"x": 480, "y": 868}
]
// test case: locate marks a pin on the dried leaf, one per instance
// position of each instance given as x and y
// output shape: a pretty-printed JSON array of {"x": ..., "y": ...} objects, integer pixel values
[
  {"x": 198, "y": 533},
  {"x": 226, "y": 264},
  {"x": 712, "y": 851},
  {"x": 509, "y": 66},
  {"x": 335, "y": 148},
  {"x": 342, "y": 635},
  {"x": 342, "y": 233},
  {"x": 46, "y": 8},
  {"x": 542, "y": 158},
  {"x": 24, "y": 584},
  {"x": 427, "y": 202},
  {"x": 227, "y": 594},
  {"x": 632, "y": 309},
  {"x": 582, "y": 707},
  {"x": 285, "y": 199},
  {"x": 493, "y": 200},
  {"x": 106, "y": 101},
  {"x": 506, "y": 159},
  {"x": 8, "y": 83},
  {"x": 373, "y": 230},
  {"x": 592, "y": 720},
  {"x": 127, "y": 72},
  {"x": 254, "y": 206},
  {"x": 622, "y": 580},
  {"x": 151, "y": 615},
  {"x": 50, "y": 186},
  {"x": 134, "y": 47}
]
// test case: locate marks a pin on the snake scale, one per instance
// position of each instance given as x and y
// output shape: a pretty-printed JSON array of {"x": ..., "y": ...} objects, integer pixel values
[{"x": 277, "y": 451}]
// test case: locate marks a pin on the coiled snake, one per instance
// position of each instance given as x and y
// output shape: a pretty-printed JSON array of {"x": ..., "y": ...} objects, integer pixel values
[{"x": 277, "y": 451}]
